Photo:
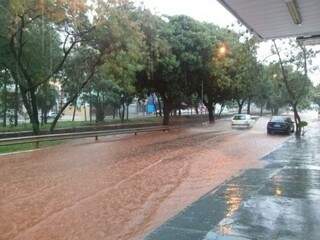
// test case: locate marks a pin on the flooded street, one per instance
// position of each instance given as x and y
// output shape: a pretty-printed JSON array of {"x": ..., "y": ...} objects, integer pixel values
[
  {"x": 121, "y": 187},
  {"x": 278, "y": 201}
]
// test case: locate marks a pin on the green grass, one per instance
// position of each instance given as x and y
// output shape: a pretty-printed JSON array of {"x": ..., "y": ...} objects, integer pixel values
[
  {"x": 133, "y": 120},
  {"x": 27, "y": 146},
  {"x": 70, "y": 124},
  {"x": 62, "y": 124},
  {"x": 28, "y": 126}
]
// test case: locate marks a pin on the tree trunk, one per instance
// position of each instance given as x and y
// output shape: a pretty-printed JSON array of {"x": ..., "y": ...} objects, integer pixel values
[
  {"x": 166, "y": 112},
  {"x": 5, "y": 103},
  {"x": 56, "y": 119},
  {"x": 16, "y": 104},
  {"x": 35, "y": 114},
  {"x": 28, "y": 88},
  {"x": 297, "y": 119},
  {"x": 166, "y": 116},
  {"x": 160, "y": 107},
  {"x": 75, "y": 96},
  {"x": 74, "y": 109},
  {"x": 45, "y": 116},
  {"x": 261, "y": 110},
  {"x": 114, "y": 111},
  {"x": 90, "y": 106},
  {"x": 221, "y": 109},
  {"x": 154, "y": 105},
  {"x": 210, "y": 105},
  {"x": 30, "y": 103},
  {"x": 100, "y": 112},
  {"x": 249, "y": 106},
  {"x": 85, "y": 112},
  {"x": 211, "y": 111},
  {"x": 100, "y": 108},
  {"x": 127, "y": 112},
  {"x": 240, "y": 105},
  {"x": 123, "y": 112},
  {"x": 41, "y": 116},
  {"x": 25, "y": 102}
]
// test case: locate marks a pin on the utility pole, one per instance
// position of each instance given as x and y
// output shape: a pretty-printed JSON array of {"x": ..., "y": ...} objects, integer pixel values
[
  {"x": 202, "y": 91},
  {"x": 202, "y": 100}
]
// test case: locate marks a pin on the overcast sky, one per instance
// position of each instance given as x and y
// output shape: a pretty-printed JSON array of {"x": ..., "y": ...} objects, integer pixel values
[{"x": 209, "y": 11}]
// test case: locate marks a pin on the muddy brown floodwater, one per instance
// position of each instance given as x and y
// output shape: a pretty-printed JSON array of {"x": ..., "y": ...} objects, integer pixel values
[{"x": 121, "y": 187}]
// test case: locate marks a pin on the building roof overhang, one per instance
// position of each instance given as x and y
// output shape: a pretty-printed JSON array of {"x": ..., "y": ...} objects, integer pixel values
[{"x": 273, "y": 19}]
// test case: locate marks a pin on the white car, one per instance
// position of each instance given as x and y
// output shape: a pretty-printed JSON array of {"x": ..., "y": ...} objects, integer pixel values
[{"x": 242, "y": 121}]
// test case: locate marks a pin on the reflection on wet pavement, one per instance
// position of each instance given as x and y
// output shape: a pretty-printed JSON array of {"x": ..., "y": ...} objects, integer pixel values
[{"x": 280, "y": 201}]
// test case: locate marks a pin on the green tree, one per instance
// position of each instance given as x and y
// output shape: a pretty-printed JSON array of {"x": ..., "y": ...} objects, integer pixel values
[
  {"x": 121, "y": 68},
  {"x": 316, "y": 95},
  {"x": 113, "y": 30},
  {"x": 161, "y": 72},
  {"x": 246, "y": 73},
  {"x": 213, "y": 73},
  {"x": 47, "y": 97},
  {"x": 32, "y": 31},
  {"x": 277, "y": 94},
  {"x": 190, "y": 44},
  {"x": 4, "y": 99},
  {"x": 296, "y": 82},
  {"x": 262, "y": 89},
  {"x": 105, "y": 95},
  {"x": 237, "y": 68}
]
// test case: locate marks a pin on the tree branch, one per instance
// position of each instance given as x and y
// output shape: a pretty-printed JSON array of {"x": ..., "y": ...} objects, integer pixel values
[
  {"x": 79, "y": 90},
  {"x": 17, "y": 54},
  {"x": 66, "y": 51},
  {"x": 284, "y": 74}
]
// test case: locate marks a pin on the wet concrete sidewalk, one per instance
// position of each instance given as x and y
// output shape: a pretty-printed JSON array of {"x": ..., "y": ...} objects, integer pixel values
[{"x": 279, "y": 201}]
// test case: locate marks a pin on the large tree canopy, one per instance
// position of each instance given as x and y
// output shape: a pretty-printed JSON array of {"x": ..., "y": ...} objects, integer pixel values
[{"x": 107, "y": 52}]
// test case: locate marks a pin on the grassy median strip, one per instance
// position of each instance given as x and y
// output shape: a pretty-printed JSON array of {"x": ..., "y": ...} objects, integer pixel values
[
  {"x": 27, "y": 146},
  {"x": 76, "y": 124}
]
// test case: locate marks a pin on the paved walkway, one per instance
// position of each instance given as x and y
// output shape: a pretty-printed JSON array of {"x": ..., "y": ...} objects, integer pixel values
[{"x": 280, "y": 201}]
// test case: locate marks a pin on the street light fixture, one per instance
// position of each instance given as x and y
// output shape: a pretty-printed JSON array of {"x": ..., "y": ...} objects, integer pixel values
[
  {"x": 294, "y": 11},
  {"x": 309, "y": 40},
  {"x": 222, "y": 50}
]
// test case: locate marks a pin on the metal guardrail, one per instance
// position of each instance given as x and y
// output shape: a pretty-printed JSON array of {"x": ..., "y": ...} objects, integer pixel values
[
  {"x": 89, "y": 128},
  {"x": 78, "y": 135}
]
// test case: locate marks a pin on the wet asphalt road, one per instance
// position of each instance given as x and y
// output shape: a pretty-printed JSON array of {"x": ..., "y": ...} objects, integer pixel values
[
  {"x": 121, "y": 188},
  {"x": 279, "y": 201}
]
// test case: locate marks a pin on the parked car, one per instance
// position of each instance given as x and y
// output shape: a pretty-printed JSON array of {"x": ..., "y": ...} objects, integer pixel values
[
  {"x": 52, "y": 115},
  {"x": 242, "y": 120},
  {"x": 280, "y": 124}
]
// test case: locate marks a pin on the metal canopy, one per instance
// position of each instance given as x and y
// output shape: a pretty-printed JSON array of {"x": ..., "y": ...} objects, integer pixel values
[{"x": 270, "y": 19}]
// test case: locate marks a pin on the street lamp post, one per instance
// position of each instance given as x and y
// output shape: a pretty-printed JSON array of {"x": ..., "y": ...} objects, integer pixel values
[
  {"x": 201, "y": 95},
  {"x": 221, "y": 52},
  {"x": 262, "y": 75}
]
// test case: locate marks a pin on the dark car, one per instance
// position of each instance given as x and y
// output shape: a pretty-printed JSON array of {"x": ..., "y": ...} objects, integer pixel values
[{"x": 280, "y": 124}]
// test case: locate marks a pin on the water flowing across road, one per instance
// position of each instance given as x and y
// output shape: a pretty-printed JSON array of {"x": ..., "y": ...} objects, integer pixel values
[{"x": 121, "y": 187}]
